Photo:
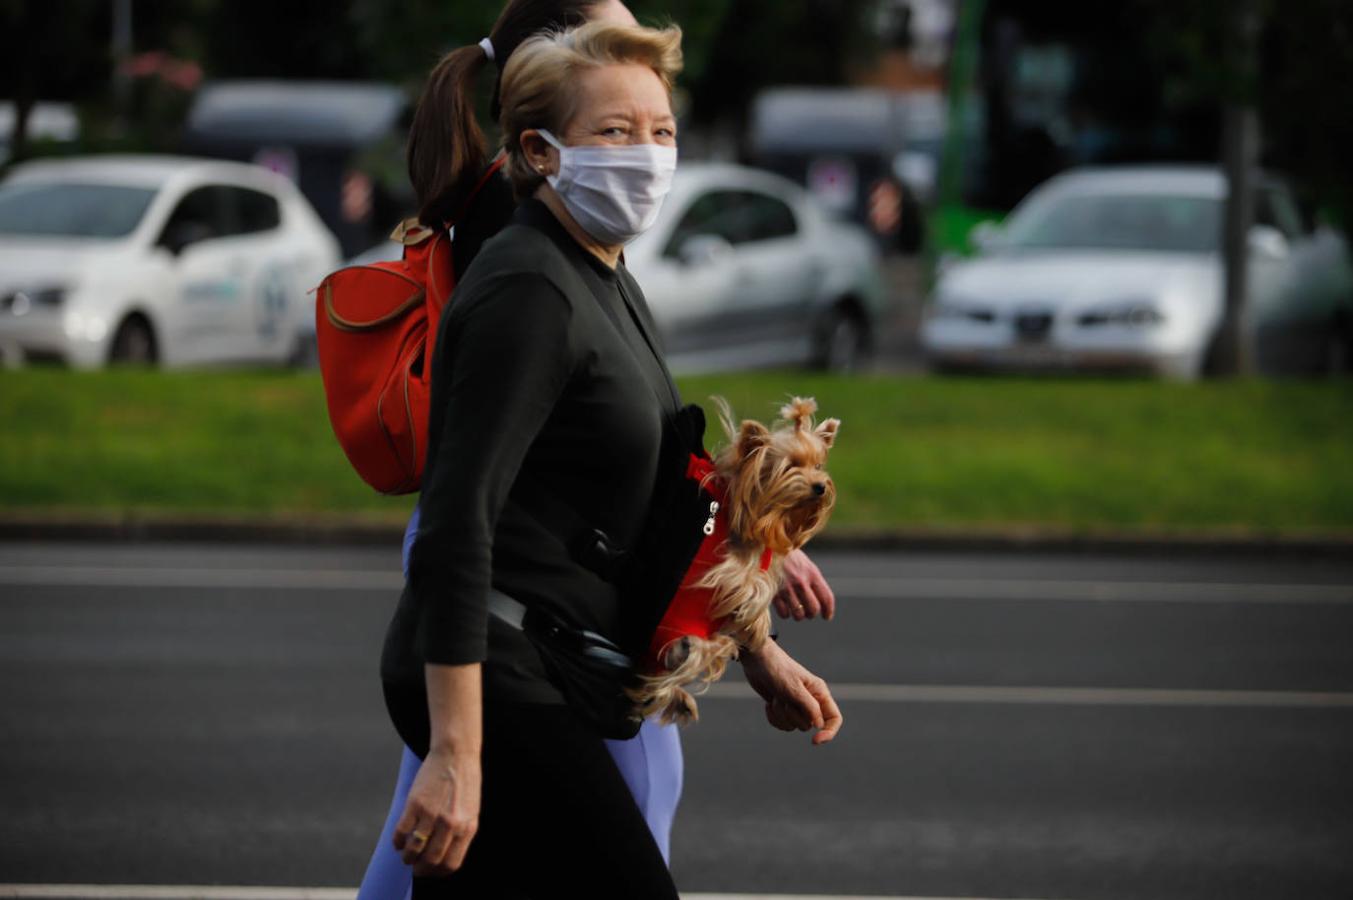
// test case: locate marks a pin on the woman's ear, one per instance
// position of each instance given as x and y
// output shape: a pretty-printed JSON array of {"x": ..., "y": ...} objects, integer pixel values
[
  {"x": 752, "y": 435},
  {"x": 539, "y": 154}
]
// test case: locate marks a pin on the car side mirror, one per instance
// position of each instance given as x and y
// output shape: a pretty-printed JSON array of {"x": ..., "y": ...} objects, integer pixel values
[
  {"x": 180, "y": 236},
  {"x": 1267, "y": 242},
  {"x": 986, "y": 235},
  {"x": 700, "y": 250}
]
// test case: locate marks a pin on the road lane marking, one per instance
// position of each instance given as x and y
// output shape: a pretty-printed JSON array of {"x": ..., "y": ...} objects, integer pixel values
[
  {"x": 251, "y": 892},
  {"x": 859, "y": 587},
  {"x": 1092, "y": 591},
  {"x": 1060, "y": 696},
  {"x": 203, "y": 579}
]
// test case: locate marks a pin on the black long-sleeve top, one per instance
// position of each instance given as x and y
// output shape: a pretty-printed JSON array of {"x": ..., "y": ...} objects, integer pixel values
[{"x": 536, "y": 388}]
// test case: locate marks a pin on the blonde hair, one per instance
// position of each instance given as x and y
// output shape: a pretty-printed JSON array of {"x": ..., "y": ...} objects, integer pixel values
[{"x": 539, "y": 86}]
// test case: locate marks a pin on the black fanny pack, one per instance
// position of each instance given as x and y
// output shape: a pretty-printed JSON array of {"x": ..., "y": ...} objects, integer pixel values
[{"x": 590, "y": 670}]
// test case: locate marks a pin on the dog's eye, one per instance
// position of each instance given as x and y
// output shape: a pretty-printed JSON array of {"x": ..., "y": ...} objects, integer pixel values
[{"x": 818, "y": 466}]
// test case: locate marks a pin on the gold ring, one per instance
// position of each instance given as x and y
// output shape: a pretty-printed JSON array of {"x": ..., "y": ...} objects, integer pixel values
[{"x": 419, "y": 837}]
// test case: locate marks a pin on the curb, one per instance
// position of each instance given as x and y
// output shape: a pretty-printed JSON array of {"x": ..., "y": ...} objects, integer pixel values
[{"x": 369, "y": 533}]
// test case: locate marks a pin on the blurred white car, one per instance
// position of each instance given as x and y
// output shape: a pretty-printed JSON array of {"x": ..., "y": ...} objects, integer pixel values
[
  {"x": 157, "y": 260},
  {"x": 1122, "y": 269},
  {"x": 744, "y": 270}
]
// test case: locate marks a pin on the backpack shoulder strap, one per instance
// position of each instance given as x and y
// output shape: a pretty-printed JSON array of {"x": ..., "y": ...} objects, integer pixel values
[{"x": 494, "y": 168}]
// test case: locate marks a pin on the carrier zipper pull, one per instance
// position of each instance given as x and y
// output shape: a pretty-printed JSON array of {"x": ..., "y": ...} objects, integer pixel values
[{"x": 709, "y": 523}]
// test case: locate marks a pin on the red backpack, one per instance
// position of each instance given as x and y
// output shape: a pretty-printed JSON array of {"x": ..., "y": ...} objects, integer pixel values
[{"x": 376, "y": 325}]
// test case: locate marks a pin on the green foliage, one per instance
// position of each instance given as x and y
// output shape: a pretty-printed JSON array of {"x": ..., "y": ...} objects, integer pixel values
[{"x": 914, "y": 453}]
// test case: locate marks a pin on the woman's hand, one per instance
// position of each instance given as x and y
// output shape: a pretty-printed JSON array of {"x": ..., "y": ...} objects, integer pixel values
[
  {"x": 805, "y": 593},
  {"x": 441, "y": 815},
  {"x": 796, "y": 699}
]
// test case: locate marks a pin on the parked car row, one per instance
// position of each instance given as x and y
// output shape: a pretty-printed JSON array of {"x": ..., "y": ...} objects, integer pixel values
[{"x": 181, "y": 261}]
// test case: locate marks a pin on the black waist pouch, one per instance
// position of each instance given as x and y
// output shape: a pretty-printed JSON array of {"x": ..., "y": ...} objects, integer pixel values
[{"x": 591, "y": 672}]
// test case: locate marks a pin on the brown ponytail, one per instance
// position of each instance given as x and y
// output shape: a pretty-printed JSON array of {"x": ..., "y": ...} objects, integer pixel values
[
  {"x": 446, "y": 145},
  {"x": 447, "y": 152}
]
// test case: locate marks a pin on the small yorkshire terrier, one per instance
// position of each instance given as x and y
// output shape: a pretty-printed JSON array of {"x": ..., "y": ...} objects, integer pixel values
[{"x": 771, "y": 495}]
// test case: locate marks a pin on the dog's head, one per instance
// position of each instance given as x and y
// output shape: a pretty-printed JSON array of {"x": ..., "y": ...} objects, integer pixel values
[{"x": 779, "y": 492}]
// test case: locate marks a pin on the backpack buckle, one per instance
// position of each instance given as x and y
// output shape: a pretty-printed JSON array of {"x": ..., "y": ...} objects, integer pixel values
[{"x": 410, "y": 232}]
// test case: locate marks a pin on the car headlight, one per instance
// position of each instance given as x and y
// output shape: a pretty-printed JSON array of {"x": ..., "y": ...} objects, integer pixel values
[
  {"x": 21, "y": 303},
  {"x": 1136, "y": 314}
]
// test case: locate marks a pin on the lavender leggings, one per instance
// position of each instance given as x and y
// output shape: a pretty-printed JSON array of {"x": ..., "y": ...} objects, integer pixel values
[{"x": 650, "y": 763}]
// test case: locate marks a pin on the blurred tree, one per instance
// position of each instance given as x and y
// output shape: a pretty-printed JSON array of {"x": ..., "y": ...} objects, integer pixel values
[
  {"x": 700, "y": 21},
  {"x": 1305, "y": 49},
  {"x": 402, "y": 43},
  {"x": 297, "y": 39},
  {"x": 1306, "y": 55},
  {"x": 757, "y": 43},
  {"x": 51, "y": 51}
]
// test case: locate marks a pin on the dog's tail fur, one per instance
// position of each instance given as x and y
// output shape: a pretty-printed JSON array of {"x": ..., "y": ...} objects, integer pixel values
[{"x": 690, "y": 659}]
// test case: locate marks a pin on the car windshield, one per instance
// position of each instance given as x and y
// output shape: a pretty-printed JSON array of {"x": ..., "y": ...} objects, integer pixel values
[
  {"x": 1117, "y": 222},
  {"x": 71, "y": 209}
]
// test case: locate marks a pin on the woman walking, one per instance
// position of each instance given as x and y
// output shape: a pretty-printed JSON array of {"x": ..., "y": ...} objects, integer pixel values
[{"x": 547, "y": 383}]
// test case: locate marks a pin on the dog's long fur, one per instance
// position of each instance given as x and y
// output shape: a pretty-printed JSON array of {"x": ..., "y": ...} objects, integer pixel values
[{"x": 771, "y": 480}]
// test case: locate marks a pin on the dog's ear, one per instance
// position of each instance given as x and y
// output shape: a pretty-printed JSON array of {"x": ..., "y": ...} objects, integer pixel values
[
  {"x": 752, "y": 435},
  {"x": 827, "y": 431}
]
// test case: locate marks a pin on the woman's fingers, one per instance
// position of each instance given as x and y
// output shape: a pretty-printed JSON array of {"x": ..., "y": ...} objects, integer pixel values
[
  {"x": 821, "y": 591},
  {"x": 831, "y": 713},
  {"x": 460, "y": 845},
  {"x": 777, "y": 716},
  {"x": 450, "y": 842},
  {"x": 805, "y": 593},
  {"x": 406, "y": 825},
  {"x": 800, "y": 709},
  {"x": 416, "y": 841},
  {"x": 438, "y": 844}
]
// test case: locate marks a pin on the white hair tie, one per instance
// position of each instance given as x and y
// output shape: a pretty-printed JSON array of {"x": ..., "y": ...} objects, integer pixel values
[{"x": 488, "y": 48}]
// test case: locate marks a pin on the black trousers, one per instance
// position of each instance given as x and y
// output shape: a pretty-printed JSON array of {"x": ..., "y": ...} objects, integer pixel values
[{"x": 556, "y": 819}]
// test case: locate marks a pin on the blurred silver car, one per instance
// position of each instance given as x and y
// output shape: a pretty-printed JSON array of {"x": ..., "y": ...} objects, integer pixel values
[
  {"x": 1122, "y": 269},
  {"x": 744, "y": 270},
  {"x": 155, "y": 259}
]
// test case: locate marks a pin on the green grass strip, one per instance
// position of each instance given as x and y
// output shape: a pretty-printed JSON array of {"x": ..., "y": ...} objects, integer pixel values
[{"x": 1247, "y": 457}]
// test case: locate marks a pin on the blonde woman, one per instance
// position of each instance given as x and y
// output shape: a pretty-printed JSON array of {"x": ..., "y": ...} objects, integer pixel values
[{"x": 551, "y": 401}]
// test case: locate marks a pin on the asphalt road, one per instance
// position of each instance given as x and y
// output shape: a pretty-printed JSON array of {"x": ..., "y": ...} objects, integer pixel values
[{"x": 1016, "y": 726}]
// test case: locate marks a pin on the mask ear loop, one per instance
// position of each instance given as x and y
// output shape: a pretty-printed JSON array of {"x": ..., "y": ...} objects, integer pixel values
[
  {"x": 553, "y": 142},
  {"x": 550, "y": 139}
]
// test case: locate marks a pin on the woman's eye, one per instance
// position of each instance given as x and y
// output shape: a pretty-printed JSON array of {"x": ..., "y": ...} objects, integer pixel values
[{"x": 614, "y": 131}]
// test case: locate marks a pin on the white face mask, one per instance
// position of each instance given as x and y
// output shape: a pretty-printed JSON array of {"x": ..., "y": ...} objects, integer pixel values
[{"x": 613, "y": 192}]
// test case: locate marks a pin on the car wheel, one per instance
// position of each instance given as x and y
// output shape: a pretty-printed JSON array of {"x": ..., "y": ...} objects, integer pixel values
[
  {"x": 133, "y": 344},
  {"x": 844, "y": 341}
]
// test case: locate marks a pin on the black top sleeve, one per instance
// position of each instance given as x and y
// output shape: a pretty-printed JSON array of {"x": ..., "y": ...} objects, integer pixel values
[{"x": 508, "y": 351}]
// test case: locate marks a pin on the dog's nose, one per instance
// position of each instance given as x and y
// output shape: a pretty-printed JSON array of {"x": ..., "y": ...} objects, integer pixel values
[{"x": 819, "y": 489}]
